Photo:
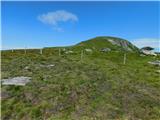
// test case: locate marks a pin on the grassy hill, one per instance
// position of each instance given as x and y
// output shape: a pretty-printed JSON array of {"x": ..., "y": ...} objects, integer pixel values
[
  {"x": 97, "y": 86},
  {"x": 114, "y": 43}
]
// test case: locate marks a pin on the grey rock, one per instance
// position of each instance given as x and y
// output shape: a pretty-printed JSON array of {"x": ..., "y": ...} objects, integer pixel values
[
  {"x": 155, "y": 63},
  {"x": 47, "y": 66},
  {"x": 122, "y": 43},
  {"x": 69, "y": 52},
  {"x": 148, "y": 52},
  {"x": 21, "y": 81},
  {"x": 88, "y": 50},
  {"x": 26, "y": 68},
  {"x": 105, "y": 50}
]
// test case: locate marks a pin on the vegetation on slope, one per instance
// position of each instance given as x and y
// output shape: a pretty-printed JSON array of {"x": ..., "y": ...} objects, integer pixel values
[
  {"x": 98, "y": 86},
  {"x": 114, "y": 43}
]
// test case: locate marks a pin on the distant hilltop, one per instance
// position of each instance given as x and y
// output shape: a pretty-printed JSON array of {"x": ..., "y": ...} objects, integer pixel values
[{"x": 112, "y": 43}]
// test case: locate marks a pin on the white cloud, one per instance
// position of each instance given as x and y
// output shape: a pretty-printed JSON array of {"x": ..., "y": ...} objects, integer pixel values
[
  {"x": 152, "y": 42},
  {"x": 53, "y": 18}
]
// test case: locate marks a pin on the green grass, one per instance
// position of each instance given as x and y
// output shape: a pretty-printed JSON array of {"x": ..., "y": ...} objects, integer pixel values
[
  {"x": 102, "y": 42},
  {"x": 98, "y": 87}
]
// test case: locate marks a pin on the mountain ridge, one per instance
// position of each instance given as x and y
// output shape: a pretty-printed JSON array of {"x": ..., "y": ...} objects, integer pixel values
[{"x": 114, "y": 43}]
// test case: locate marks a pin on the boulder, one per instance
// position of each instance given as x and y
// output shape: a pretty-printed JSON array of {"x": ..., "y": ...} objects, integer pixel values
[
  {"x": 21, "y": 81},
  {"x": 148, "y": 52},
  {"x": 105, "y": 50},
  {"x": 88, "y": 50},
  {"x": 155, "y": 62},
  {"x": 69, "y": 52}
]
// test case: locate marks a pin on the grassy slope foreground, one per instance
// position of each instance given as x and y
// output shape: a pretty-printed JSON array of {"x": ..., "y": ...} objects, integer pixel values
[{"x": 98, "y": 87}]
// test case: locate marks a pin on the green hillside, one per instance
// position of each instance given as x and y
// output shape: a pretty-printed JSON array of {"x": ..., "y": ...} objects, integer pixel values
[
  {"x": 93, "y": 86},
  {"x": 114, "y": 43}
]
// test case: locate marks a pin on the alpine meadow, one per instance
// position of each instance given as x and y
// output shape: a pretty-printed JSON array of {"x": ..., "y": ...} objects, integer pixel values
[{"x": 68, "y": 77}]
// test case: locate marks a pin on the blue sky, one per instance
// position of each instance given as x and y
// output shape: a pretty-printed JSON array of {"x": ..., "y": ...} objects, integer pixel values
[{"x": 40, "y": 24}]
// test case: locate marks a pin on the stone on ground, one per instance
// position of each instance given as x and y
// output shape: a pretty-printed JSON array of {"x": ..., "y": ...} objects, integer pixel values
[{"x": 21, "y": 81}]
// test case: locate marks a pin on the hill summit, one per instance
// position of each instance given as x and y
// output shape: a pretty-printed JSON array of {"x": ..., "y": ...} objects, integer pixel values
[{"x": 113, "y": 43}]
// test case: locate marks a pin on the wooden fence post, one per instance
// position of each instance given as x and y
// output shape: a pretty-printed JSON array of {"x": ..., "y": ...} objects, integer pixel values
[
  {"x": 81, "y": 54},
  {"x": 41, "y": 51},
  {"x": 124, "y": 59},
  {"x": 25, "y": 51},
  {"x": 59, "y": 52}
]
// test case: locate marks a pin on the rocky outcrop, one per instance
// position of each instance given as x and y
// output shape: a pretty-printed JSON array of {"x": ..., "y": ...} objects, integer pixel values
[
  {"x": 157, "y": 63},
  {"x": 122, "y": 43},
  {"x": 21, "y": 81},
  {"x": 105, "y": 50},
  {"x": 148, "y": 51},
  {"x": 114, "y": 43},
  {"x": 88, "y": 50}
]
